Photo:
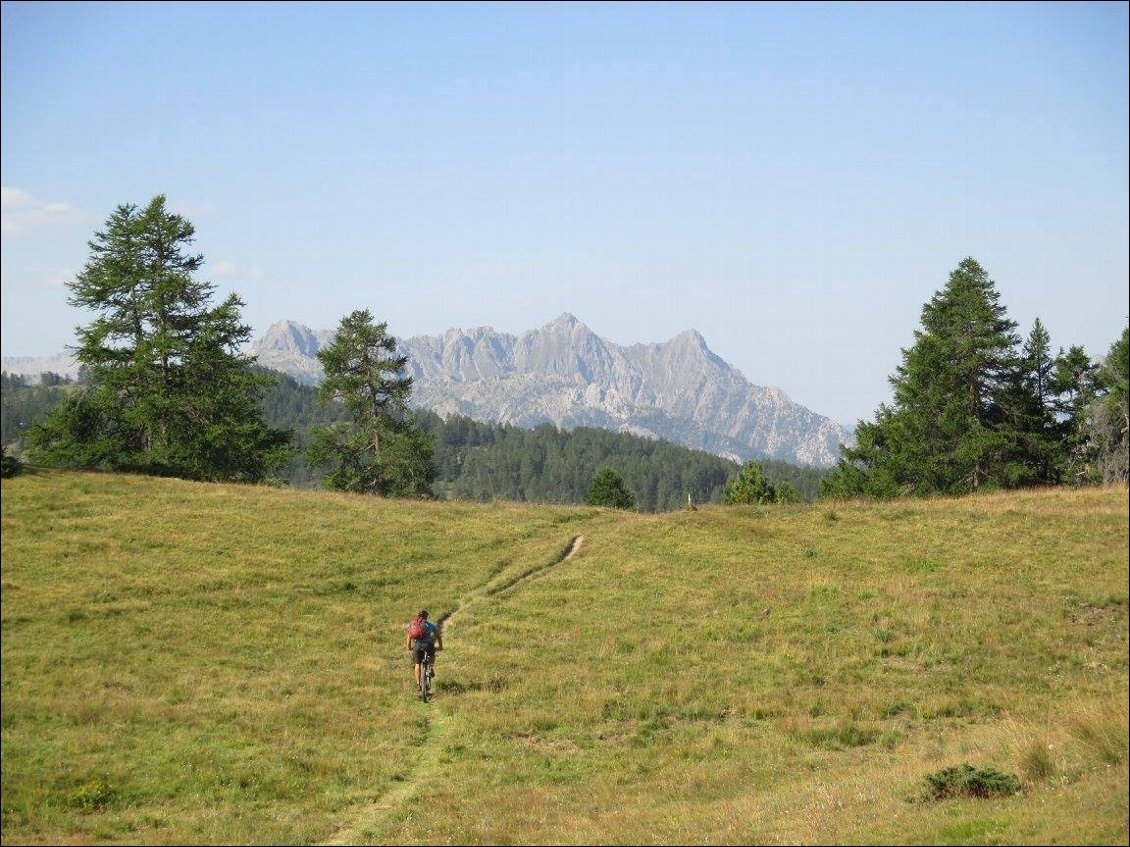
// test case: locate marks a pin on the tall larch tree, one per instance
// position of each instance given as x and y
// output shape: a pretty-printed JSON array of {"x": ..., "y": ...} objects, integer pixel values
[
  {"x": 166, "y": 390},
  {"x": 379, "y": 449}
]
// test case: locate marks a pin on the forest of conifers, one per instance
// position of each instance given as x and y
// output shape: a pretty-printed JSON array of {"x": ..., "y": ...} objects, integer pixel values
[{"x": 481, "y": 461}]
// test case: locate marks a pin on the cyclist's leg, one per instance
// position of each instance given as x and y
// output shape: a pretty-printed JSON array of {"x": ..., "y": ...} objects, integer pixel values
[{"x": 417, "y": 657}]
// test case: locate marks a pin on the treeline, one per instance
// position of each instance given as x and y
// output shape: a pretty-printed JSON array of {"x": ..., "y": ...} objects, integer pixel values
[
  {"x": 485, "y": 461},
  {"x": 481, "y": 461},
  {"x": 164, "y": 391},
  {"x": 976, "y": 408},
  {"x": 476, "y": 460}
]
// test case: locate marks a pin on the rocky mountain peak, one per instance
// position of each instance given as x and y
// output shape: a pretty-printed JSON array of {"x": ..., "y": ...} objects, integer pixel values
[
  {"x": 289, "y": 336},
  {"x": 567, "y": 375}
]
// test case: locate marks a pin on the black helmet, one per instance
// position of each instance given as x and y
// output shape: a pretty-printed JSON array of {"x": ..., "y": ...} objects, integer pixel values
[{"x": 423, "y": 613}]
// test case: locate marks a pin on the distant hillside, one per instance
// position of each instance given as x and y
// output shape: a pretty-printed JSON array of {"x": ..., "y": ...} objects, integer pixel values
[
  {"x": 486, "y": 461},
  {"x": 186, "y": 663},
  {"x": 566, "y": 375}
]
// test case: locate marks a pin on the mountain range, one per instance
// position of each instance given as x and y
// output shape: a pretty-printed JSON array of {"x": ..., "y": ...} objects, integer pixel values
[{"x": 567, "y": 375}]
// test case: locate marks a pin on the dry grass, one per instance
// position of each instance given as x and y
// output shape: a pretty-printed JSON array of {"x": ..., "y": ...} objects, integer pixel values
[{"x": 192, "y": 663}]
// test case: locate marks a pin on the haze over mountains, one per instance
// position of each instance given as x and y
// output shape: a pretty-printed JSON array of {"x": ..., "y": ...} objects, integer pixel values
[{"x": 565, "y": 374}]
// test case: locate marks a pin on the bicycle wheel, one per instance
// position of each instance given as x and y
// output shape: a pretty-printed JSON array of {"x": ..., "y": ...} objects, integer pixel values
[{"x": 425, "y": 681}]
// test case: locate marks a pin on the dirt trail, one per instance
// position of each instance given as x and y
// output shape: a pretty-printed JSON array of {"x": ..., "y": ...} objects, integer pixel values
[
  {"x": 447, "y": 619},
  {"x": 427, "y": 751}
]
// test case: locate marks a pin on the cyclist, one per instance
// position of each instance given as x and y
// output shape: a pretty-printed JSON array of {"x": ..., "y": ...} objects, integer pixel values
[{"x": 424, "y": 638}]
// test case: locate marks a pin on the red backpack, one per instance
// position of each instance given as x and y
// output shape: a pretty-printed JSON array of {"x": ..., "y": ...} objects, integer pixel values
[{"x": 418, "y": 629}]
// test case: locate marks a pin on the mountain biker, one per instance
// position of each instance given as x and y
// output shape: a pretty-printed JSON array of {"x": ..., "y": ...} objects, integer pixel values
[{"x": 427, "y": 644}]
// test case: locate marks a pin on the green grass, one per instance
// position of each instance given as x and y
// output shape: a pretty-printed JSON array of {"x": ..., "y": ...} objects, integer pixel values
[{"x": 202, "y": 663}]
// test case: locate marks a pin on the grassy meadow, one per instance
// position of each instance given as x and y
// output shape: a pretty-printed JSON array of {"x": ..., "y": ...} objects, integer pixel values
[{"x": 193, "y": 663}]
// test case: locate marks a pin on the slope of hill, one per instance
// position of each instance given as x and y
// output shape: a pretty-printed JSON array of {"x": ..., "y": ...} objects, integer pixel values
[
  {"x": 565, "y": 374},
  {"x": 191, "y": 663}
]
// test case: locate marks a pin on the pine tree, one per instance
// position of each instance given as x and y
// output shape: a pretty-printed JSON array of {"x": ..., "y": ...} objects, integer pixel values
[
  {"x": 1111, "y": 417},
  {"x": 608, "y": 489},
  {"x": 948, "y": 429},
  {"x": 1074, "y": 388},
  {"x": 749, "y": 487},
  {"x": 379, "y": 450},
  {"x": 166, "y": 391},
  {"x": 1030, "y": 411}
]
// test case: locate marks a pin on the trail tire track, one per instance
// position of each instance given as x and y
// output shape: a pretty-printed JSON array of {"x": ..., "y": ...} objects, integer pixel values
[{"x": 426, "y": 750}]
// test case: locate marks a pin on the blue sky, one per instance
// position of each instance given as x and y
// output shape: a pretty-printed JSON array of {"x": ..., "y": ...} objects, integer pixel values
[{"x": 794, "y": 181}]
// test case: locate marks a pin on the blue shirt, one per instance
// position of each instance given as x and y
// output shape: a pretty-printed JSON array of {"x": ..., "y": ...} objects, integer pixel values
[{"x": 433, "y": 631}]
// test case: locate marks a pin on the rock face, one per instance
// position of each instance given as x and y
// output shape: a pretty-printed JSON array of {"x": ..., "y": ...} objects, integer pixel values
[
  {"x": 292, "y": 348},
  {"x": 567, "y": 375}
]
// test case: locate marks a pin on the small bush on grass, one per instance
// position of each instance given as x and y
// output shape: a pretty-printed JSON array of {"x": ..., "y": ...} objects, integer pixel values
[
  {"x": 9, "y": 465},
  {"x": 968, "y": 781}
]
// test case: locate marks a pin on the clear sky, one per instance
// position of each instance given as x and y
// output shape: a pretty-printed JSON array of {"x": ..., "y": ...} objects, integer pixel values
[{"x": 794, "y": 181}]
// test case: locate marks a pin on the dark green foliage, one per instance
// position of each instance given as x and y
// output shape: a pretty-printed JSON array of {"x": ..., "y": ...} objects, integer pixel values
[
  {"x": 167, "y": 392},
  {"x": 608, "y": 489},
  {"x": 9, "y": 465},
  {"x": 968, "y": 781},
  {"x": 1075, "y": 386},
  {"x": 377, "y": 449},
  {"x": 292, "y": 406},
  {"x": 785, "y": 492},
  {"x": 401, "y": 468},
  {"x": 1110, "y": 421},
  {"x": 750, "y": 486},
  {"x": 545, "y": 464},
  {"x": 1029, "y": 406},
  {"x": 968, "y": 412},
  {"x": 485, "y": 461},
  {"x": 1091, "y": 402},
  {"x": 973, "y": 409}
]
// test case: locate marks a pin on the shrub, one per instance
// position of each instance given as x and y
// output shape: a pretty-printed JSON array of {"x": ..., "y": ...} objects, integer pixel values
[
  {"x": 608, "y": 489},
  {"x": 9, "y": 465},
  {"x": 92, "y": 795},
  {"x": 968, "y": 781}
]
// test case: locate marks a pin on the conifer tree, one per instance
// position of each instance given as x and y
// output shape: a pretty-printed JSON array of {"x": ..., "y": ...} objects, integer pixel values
[
  {"x": 948, "y": 429},
  {"x": 1074, "y": 388},
  {"x": 166, "y": 391},
  {"x": 608, "y": 489},
  {"x": 1111, "y": 416},
  {"x": 749, "y": 487},
  {"x": 378, "y": 450},
  {"x": 1031, "y": 412}
]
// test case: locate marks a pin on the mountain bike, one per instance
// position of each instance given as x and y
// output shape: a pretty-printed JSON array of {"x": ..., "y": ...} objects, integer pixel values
[{"x": 426, "y": 673}]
